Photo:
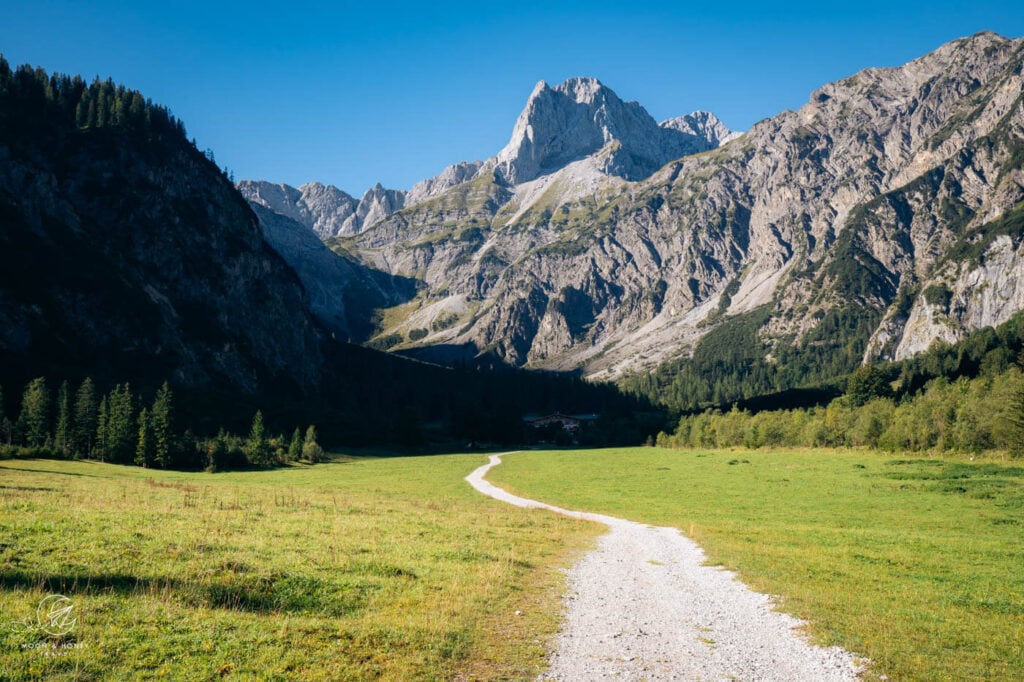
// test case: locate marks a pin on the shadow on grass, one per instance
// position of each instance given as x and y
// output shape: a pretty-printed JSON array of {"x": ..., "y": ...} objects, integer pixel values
[
  {"x": 255, "y": 594},
  {"x": 46, "y": 471}
]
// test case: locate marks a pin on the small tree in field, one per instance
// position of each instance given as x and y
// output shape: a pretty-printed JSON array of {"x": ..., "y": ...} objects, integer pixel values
[
  {"x": 257, "y": 449},
  {"x": 311, "y": 450},
  {"x": 295, "y": 447}
]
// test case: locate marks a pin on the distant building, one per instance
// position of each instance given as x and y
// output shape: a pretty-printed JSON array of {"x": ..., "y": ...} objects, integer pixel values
[{"x": 570, "y": 423}]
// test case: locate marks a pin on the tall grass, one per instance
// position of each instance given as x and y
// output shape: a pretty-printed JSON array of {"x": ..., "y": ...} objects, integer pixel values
[
  {"x": 389, "y": 569},
  {"x": 916, "y": 564}
]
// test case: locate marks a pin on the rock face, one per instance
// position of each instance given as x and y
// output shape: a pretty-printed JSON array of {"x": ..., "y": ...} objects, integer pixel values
[
  {"x": 325, "y": 209},
  {"x": 598, "y": 239},
  {"x": 342, "y": 292}
]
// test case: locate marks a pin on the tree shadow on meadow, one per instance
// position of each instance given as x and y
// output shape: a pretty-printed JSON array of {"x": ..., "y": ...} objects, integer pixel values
[{"x": 275, "y": 593}]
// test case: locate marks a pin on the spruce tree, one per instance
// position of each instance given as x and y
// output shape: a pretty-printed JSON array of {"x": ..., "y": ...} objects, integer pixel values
[
  {"x": 144, "y": 445},
  {"x": 311, "y": 450},
  {"x": 101, "y": 431},
  {"x": 295, "y": 447},
  {"x": 121, "y": 431},
  {"x": 257, "y": 449},
  {"x": 33, "y": 425},
  {"x": 6, "y": 427},
  {"x": 84, "y": 432},
  {"x": 62, "y": 435},
  {"x": 160, "y": 417}
]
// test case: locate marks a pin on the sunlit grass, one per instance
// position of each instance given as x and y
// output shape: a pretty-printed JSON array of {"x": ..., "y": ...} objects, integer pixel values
[
  {"x": 916, "y": 564},
  {"x": 366, "y": 569}
]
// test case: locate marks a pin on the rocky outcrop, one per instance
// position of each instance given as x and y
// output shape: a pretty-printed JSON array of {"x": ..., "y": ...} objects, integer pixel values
[
  {"x": 325, "y": 209},
  {"x": 456, "y": 174},
  {"x": 706, "y": 129}
]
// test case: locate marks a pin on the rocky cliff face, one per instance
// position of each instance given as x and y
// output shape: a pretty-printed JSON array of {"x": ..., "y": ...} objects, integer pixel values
[
  {"x": 598, "y": 239},
  {"x": 325, "y": 209},
  {"x": 343, "y": 293}
]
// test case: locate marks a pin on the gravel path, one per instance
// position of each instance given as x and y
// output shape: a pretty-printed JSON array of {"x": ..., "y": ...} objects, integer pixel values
[{"x": 643, "y": 606}]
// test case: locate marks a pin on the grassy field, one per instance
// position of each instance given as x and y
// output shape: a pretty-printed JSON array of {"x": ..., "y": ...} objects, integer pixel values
[
  {"x": 916, "y": 564},
  {"x": 389, "y": 569}
]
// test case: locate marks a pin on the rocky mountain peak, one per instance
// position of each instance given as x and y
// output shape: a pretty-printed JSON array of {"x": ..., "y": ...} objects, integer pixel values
[
  {"x": 580, "y": 118},
  {"x": 704, "y": 126}
]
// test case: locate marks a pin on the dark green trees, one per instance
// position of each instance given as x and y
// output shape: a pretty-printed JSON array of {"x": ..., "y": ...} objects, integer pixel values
[
  {"x": 84, "y": 423},
  {"x": 33, "y": 426},
  {"x": 160, "y": 425},
  {"x": 257, "y": 448},
  {"x": 867, "y": 383},
  {"x": 62, "y": 435}
]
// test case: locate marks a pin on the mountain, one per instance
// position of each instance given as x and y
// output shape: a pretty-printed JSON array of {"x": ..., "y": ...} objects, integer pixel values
[{"x": 876, "y": 218}]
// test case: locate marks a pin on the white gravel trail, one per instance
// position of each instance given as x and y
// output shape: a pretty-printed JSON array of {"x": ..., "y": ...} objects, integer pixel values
[{"x": 644, "y": 606}]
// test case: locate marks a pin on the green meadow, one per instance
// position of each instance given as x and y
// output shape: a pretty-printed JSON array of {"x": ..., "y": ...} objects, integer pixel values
[
  {"x": 395, "y": 569},
  {"x": 357, "y": 569},
  {"x": 915, "y": 564}
]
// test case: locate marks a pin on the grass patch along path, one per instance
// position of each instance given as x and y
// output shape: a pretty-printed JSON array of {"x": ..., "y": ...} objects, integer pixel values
[
  {"x": 389, "y": 569},
  {"x": 913, "y": 563}
]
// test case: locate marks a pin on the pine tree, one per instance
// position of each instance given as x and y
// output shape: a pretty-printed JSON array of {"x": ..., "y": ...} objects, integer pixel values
[
  {"x": 160, "y": 417},
  {"x": 295, "y": 447},
  {"x": 311, "y": 450},
  {"x": 84, "y": 432},
  {"x": 6, "y": 427},
  {"x": 257, "y": 450},
  {"x": 33, "y": 425},
  {"x": 101, "y": 431},
  {"x": 62, "y": 432},
  {"x": 121, "y": 433},
  {"x": 144, "y": 445}
]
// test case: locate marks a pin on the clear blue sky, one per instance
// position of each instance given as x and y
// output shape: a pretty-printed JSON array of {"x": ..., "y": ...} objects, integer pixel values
[{"x": 354, "y": 93}]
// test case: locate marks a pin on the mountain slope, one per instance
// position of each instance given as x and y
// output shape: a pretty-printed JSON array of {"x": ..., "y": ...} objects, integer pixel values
[{"x": 125, "y": 253}]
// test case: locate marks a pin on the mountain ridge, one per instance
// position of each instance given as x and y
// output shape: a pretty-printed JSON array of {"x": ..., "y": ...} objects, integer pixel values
[{"x": 830, "y": 217}]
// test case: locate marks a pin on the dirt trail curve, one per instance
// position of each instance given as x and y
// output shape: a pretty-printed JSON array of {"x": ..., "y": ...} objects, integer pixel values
[{"x": 643, "y": 606}]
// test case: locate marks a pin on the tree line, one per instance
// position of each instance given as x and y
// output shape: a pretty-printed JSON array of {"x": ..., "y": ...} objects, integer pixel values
[
  {"x": 985, "y": 413},
  {"x": 26, "y": 92},
  {"x": 120, "y": 427}
]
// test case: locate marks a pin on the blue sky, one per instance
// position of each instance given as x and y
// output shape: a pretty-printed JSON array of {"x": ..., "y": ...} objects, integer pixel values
[{"x": 351, "y": 94}]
